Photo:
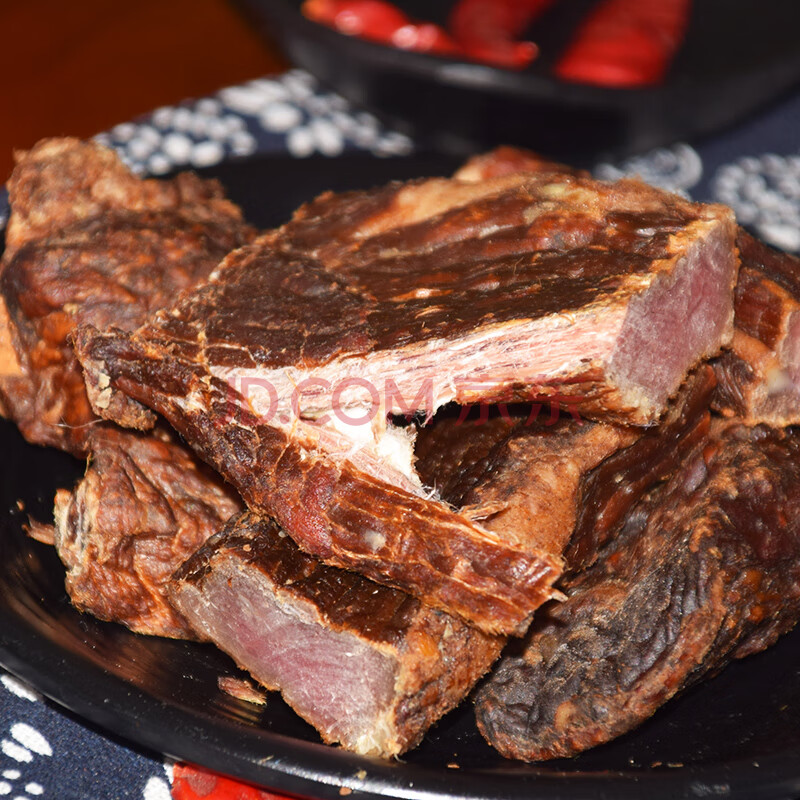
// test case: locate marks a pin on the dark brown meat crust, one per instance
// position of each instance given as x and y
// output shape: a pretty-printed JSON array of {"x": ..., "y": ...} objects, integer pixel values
[
  {"x": 59, "y": 182},
  {"x": 438, "y": 658},
  {"x": 144, "y": 505},
  {"x": 559, "y": 486},
  {"x": 703, "y": 570},
  {"x": 441, "y": 260},
  {"x": 524, "y": 482},
  {"x": 88, "y": 242},
  {"x": 610, "y": 490},
  {"x": 759, "y": 377}
]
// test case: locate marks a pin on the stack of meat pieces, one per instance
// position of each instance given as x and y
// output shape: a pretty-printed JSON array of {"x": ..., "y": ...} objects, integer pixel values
[
  {"x": 392, "y": 541},
  {"x": 87, "y": 242}
]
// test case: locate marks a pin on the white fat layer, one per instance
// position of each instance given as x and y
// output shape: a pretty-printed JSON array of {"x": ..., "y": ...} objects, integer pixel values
[
  {"x": 778, "y": 380},
  {"x": 380, "y": 739}
]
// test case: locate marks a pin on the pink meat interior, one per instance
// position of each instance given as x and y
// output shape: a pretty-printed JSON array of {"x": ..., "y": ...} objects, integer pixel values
[
  {"x": 681, "y": 319},
  {"x": 336, "y": 681}
]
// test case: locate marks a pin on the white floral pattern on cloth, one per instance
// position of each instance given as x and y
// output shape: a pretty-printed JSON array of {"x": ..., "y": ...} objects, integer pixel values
[
  {"x": 158, "y": 786},
  {"x": 678, "y": 168},
  {"x": 44, "y": 755},
  {"x": 764, "y": 191},
  {"x": 291, "y": 110}
]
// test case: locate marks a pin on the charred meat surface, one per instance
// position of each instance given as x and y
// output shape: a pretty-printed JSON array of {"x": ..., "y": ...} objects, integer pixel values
[
  {"x": 88, "y": 242},
  {"x": 759, "y": 376},
  {"x": 281, "y": 371},
  {"x": 143, "y": 507},
  {"x": 706, "y": 568},
  {"x": 610, "y": 490},
  {"x": 524, "y": 482},
  {"x": 368, "y": 666},
  {"x": 556, "y": 483}
]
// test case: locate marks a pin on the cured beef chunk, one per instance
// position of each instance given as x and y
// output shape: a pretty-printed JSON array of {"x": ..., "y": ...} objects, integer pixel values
[
  {"x": 143, "y": 507},
  {"x": 759, "y": 377},
  {"x": 59, "y": 182},
  {"x": 608, "y": 492},
  {"x": 523, "y": 482},
  {"x": 559, "y": 485},
  {"x": 368, "y": 666},
  {"x": 288, "y": 619},
  {"x": 397, "y": 535},
  {"x": 88, "y": 242},
  {"x": 474, "y": 271},
  {"x": 402, "y": 299},
  {"x": 706, "y": 568}
]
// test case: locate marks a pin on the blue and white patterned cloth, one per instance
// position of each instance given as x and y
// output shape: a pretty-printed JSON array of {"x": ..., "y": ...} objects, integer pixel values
[{"x": 755, "y": 168}]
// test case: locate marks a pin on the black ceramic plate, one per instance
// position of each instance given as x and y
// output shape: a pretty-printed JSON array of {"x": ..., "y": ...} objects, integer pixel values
[
  {"x": 736, "y": 736},
  {"x": 737, "y": 55}
]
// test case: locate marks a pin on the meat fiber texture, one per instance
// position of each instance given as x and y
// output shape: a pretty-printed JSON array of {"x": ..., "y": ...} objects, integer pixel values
[
  {"x": 560, "y": 485},
  {"x": 524, "y": 481},
  {"x": 706, "y": 568},
  {"x": 612, "y": 489},
  {"x": 370, "y": 667},
  {"x": 88, "y": 242},
  {"x": 282, "y": 370},
  {"x": 143, "y": 507},
  {"x": 759, "y": 376}
]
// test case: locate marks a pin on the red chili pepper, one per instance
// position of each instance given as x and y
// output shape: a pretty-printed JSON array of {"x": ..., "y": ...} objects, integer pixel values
[
  {"x": 380, "y": 22},
  {"x": 195, "y": 783},
  {"x": 369, "y": 19},
  {"x": 626, "y": 43},
  {"x": 425, "y": 37},
  {"x": 489, "y": 30}
]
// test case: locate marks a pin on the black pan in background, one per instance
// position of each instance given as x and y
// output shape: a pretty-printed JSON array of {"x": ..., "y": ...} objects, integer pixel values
[
  {"x": 737, "y": 736},
  {"x": 737, "y": 56}
]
